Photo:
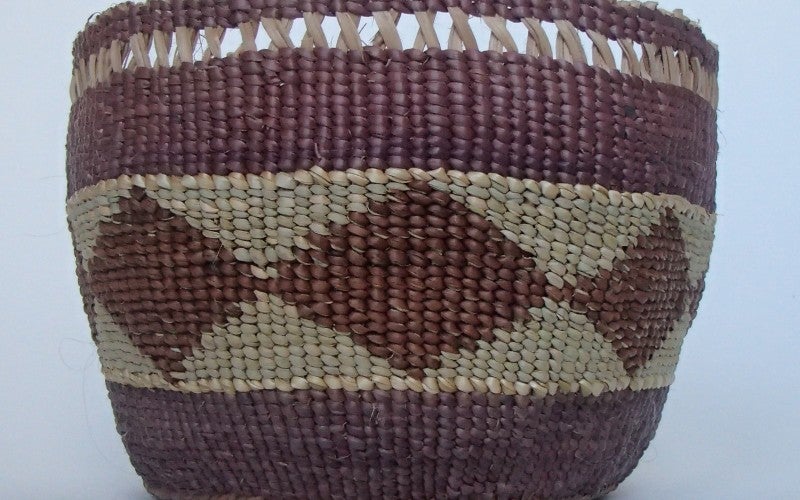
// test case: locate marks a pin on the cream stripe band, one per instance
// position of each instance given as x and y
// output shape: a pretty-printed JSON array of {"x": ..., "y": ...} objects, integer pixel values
[{"x": 573, "y": 233}]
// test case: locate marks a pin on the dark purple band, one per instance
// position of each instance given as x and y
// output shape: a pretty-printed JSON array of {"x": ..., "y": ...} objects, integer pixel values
[
  {"x": 378, "y": 444},
  {"x": 640, "y": 24},
  {"x": 291, "y": 109}
]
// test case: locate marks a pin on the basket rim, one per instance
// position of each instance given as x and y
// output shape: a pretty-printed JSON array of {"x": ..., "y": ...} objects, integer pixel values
[
  {"x": 652, "y": 44},
  {"x": 613, "y": 19}
]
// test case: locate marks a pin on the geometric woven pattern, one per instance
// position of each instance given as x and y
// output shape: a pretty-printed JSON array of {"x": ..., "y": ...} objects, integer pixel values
[
  {"x": 161, "y": 280},
  {"x": 390, "y": 249},
  {"x": 640, "y": 300},
  {"x": 416, "y": 285}
]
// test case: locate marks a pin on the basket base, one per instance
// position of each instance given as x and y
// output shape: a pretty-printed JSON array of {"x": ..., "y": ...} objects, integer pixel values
[
  {"x": 383, "y": 444},
  {"x": 167, "y": 495}
]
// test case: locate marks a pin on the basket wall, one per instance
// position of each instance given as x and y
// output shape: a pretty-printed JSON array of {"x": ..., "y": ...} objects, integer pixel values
[{"x": 451, "y": 261}]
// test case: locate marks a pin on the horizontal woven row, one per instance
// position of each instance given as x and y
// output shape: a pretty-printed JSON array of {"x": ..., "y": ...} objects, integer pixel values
[
  {"x": 383, "y": 444},
  {"x": 293, "y": 109},
  {"x": 639, "y": 22},
  {"x": 431, "y": 281},
  {"x": 392, "y": 30}
]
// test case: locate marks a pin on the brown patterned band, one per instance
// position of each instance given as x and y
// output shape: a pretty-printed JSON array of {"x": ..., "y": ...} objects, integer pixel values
[
  {"x": 431, "y": 281},
  {"x": 412, "y": 278},
  {"x": 637, "y": 22},
  {"x": 383, "y": 444},
  {"x": 291, "y": 109}
]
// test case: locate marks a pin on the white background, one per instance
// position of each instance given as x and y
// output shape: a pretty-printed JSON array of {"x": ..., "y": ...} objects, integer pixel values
[{"x": 731, "y": 428}]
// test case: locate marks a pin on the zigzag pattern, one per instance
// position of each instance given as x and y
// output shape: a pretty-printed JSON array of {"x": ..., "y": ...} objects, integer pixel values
[{"x": 427, "y": 280}]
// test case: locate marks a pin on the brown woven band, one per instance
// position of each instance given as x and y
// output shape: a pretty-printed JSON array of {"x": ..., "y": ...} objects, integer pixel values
[
  {"x": 629, "y": 20},
  {"x": 384, "y": 444},
  {"x": 402, "y": 279},
  {"x": 284, "y": 110},
  {"x": 398, "y": 278}
]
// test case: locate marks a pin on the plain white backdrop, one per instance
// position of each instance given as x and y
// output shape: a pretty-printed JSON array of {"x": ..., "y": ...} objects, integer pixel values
[{"x": 731, "y": 428}]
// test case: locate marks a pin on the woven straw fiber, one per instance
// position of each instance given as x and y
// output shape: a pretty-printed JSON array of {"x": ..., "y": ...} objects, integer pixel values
[{"x": 390, "y": 249}]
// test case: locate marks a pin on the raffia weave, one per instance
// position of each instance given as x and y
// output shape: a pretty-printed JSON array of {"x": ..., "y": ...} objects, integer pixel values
[{"x": 401, "y": 249}]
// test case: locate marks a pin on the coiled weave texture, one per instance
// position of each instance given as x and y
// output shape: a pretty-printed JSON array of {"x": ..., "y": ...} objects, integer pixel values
[{"x": 337, "y": 263}]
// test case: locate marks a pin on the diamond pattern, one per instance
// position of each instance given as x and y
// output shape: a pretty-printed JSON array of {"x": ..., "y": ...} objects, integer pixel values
[{"x": 411, "y": 278}]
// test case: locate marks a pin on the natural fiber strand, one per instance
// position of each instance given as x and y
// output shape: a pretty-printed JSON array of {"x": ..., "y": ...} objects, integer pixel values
[{"x": 390, "y": 248}]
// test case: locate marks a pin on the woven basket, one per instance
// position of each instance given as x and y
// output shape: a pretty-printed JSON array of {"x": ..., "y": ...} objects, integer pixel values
[{"x": 390, "y": 249}]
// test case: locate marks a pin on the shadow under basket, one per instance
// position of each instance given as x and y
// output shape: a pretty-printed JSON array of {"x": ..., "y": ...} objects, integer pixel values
[{"x": 390, "y": 249}]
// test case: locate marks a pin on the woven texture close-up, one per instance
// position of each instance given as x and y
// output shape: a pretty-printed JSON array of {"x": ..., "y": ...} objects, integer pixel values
[{"x": 390, "y": 249}]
